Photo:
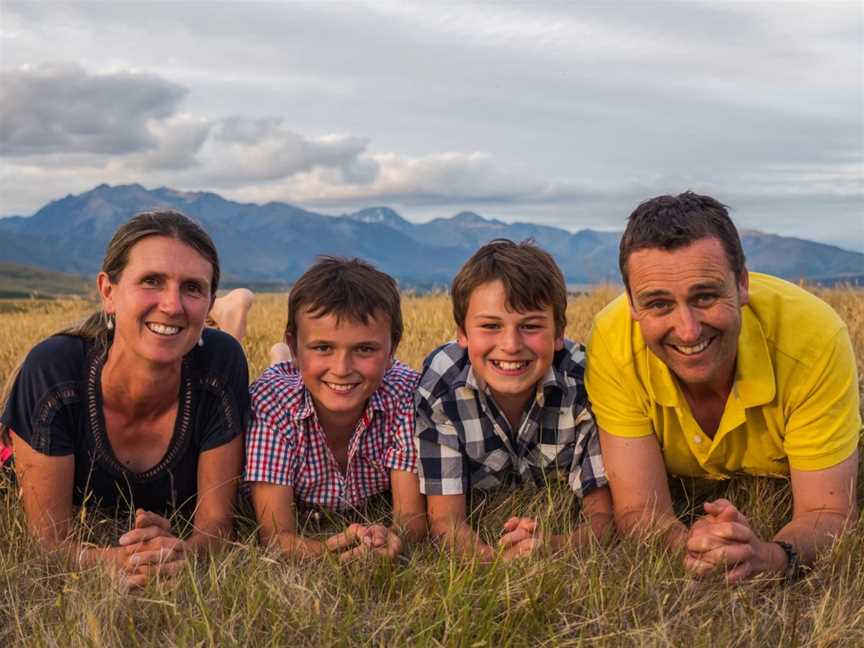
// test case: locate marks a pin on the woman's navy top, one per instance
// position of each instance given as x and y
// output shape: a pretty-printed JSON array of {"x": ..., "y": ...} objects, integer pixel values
[{"x": 56, "y": 407}]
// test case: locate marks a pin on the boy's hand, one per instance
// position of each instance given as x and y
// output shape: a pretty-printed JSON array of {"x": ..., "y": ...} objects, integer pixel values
[
  {"x": 358, "y": 541},
  {"x": 521, "y": 537}
]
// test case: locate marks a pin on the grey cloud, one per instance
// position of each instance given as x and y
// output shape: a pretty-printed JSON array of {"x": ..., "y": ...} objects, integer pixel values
[
  {"x": 245, "y": 149},
  {"x": 246, "y": 130},
  {"x": 61, "y": 108},
  {"x": 177, "y": 147}
]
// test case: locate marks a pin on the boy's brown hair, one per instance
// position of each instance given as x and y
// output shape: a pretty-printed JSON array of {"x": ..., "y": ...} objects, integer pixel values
[
  {"x": 347, "y": 288},
  {"x": 532, "y": 280}
]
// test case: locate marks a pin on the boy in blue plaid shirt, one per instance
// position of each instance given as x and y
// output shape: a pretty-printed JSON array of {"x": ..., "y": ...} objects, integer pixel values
[{"x": 506, "y": 403}]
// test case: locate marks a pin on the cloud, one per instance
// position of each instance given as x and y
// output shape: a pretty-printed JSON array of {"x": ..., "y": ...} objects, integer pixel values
[
  {"x": 251, "y": 149},
  {"x": 55, "y": 108}
]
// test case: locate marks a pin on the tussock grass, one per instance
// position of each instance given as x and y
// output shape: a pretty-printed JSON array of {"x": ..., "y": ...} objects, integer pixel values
[{"x": 622, "y": 594}]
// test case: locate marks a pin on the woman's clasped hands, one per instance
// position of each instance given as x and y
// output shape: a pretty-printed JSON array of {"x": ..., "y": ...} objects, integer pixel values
[{"x": 151, "y": 549}]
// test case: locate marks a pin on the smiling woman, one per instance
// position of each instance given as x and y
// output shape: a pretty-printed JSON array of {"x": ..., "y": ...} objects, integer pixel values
[{"x": 138, "y": 408}]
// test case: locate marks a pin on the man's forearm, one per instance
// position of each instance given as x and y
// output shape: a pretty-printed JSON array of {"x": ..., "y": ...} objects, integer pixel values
[
  {"x": 646, "y": 524},
  {"x": 811, "y": 533}
]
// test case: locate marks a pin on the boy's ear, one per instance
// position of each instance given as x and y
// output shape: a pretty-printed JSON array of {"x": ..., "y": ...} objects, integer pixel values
[
  {"x": 461, "y": 338},
  {"x": 559, "y": 343}
]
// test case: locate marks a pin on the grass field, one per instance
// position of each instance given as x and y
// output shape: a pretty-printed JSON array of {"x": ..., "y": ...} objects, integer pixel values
[{"x": 620, "y": 595}]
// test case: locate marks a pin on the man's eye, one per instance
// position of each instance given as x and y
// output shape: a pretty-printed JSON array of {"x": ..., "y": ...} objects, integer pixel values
[
  {"x": 321, "y": 348},
  {"x": 490, "y": 326},
  {"x": 705, "y": 299},
  {"x": 365, "y": 349},
  {"x": 658, "y": 306},
  {"x": 531, "y": 327},
  {"x": 150, "y": 281},
  {"x": 194, "y": 288}
]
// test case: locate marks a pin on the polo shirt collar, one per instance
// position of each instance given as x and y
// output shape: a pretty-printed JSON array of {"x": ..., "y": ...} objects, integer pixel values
[
  {"x": 755, "y": 383},
  {"x": 754, "y": 373}
]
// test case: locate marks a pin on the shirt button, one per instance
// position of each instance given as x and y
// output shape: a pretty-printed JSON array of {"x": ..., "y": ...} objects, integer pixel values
[{"x": 697, "y": 439}]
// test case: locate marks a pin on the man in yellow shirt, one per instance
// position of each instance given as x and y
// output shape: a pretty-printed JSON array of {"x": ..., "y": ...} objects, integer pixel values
[{"x": 703, "y": 369}]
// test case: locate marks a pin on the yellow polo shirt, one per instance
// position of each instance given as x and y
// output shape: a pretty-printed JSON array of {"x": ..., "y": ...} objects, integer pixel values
[{"x": 794, "y": 401}]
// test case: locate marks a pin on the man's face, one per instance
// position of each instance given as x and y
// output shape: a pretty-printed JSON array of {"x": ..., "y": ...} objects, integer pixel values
[
  {"x": 688, "y": 305},
  {"x": 342, "y": 362},
  {"x": 510, "y": 351}
]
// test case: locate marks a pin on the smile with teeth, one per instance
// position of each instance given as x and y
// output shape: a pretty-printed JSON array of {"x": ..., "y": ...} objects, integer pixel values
[
  {"x": 693, "y": 350},
  {"x": 163, "y": 329},
  {"x": 510, "y": 365},
  {"x": 340, "y": 388}
]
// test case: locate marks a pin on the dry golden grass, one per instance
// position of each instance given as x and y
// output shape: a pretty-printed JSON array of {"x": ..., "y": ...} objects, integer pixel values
[{"x": 622, "y": 595}]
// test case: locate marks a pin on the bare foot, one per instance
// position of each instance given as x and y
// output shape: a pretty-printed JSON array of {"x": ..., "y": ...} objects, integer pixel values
[
  {"x": 280, "y": 352},
  {"x": 230, "y": 311}
]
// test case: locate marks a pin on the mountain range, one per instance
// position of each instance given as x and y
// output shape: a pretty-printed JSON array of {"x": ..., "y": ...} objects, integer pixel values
[{"x": 276, "y": 242}]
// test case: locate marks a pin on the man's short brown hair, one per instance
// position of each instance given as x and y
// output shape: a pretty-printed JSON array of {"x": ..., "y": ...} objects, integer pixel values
[
  {"x": 672, "y": 222},
  {"x": 347, "y": 288},
  {"x": 531, "y": 278}
]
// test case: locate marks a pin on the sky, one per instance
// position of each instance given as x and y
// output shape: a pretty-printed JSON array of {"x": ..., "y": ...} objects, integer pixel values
[{"x": 557, "y": 113}]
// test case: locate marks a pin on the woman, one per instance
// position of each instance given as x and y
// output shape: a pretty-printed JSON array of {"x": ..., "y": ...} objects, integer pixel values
[{"x": 140, "y": 407}]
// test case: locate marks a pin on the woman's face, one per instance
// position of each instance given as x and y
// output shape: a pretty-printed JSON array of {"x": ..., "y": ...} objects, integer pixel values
[{"x": 160, "y": 301}]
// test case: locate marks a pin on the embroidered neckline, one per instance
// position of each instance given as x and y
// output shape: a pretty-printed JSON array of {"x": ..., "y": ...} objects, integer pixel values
[{"x": 105, "y": 453}]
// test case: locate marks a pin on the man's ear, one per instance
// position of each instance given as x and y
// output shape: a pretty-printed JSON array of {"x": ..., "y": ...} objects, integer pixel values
[
  {"x": 461, "y": 337},
  {"x": 744, "y": 287},
  {"x": 106, "y": 292}
]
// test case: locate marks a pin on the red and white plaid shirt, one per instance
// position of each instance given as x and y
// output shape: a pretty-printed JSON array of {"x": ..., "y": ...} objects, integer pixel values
[{"x": 286, "y": 445}]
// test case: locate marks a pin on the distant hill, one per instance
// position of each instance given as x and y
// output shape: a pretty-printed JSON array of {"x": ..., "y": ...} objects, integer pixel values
[
  {"x": 23, "y": 282},
  {"x": 275, "y": 242}
]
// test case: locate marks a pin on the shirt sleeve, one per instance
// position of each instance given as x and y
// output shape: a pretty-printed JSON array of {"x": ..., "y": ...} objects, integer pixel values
[
  {"x": 230, "y": 384},
  {"x": 612, "y": 391},
  {"x": 45, "y": 401},
  {"x": 441, "y": 461},
  {"x": 270, "y": 445},
  {"x": 587, "y": 472},
  {"x": 823, "y": 423},
  {"x": 402, "y": 455}
]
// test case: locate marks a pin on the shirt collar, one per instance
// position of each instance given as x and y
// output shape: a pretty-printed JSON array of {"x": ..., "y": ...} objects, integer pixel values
[
  {"x": 306, "y": 406},
  {"x": 754, "y": 372}
]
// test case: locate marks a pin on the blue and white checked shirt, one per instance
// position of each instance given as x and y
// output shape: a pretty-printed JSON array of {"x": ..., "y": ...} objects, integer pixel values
[{"x": 464, "y": 441}]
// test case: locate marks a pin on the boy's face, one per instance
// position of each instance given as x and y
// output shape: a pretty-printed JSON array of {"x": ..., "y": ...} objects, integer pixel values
[
  {"x": 342, "y": 363},
  {"x": 510, "y": 351}
]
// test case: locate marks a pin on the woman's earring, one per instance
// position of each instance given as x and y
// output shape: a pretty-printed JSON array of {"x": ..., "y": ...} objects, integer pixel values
[
  {"x": 201, "y": 341},
  {"x": 109, "y": 322}
]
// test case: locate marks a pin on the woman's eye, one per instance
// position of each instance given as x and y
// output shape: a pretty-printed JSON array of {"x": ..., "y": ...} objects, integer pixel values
[
  {"x": 366, "y": 349},
  {"x": 321, "y": 348},
  {"x": 194, "y": 288}
]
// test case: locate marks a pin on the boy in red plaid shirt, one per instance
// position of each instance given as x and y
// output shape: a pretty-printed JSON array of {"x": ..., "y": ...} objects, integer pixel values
[{"x": 332, "y": 425}]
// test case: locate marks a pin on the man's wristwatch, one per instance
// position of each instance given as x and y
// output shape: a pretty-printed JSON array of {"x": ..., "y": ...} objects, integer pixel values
[{"x": 793, "y": 564}]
